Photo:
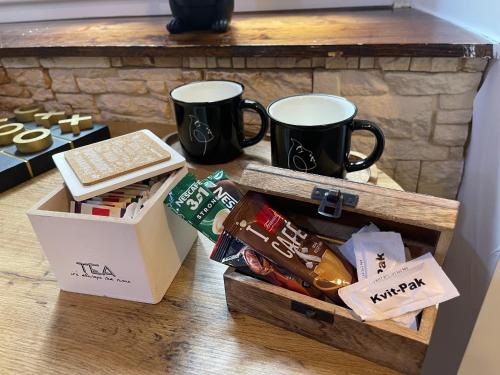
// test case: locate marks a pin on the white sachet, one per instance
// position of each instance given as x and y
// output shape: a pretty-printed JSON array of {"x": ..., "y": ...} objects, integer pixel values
[
  {"x": 411, "y": 286},
  {"x": 347, "y": 248},
  {"x": 376, "y": 252}
]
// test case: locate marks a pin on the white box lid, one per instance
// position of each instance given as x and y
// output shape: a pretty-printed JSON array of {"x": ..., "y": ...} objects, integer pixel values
[{"x": 81, "y": 192}]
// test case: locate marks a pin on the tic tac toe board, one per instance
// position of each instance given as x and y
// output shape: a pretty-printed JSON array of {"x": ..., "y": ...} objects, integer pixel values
[
  {"x": 15, "y": 167},
  {"x": 115, "y": 157},
  {"x": 150, "y": 149}
]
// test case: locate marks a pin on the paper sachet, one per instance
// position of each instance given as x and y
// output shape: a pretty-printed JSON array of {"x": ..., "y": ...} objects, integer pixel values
[
  {"x": 347, "y": 248},
  {"x": 377, "y": 252},
  {"x": 411, "y": 286}
]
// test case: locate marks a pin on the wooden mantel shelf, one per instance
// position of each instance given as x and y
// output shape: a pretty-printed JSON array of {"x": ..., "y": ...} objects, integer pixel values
[{"x": 373, "y": 32}]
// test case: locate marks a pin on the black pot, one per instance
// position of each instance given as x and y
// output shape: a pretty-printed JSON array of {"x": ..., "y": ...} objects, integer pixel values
[{"x": 191, "y": 15}]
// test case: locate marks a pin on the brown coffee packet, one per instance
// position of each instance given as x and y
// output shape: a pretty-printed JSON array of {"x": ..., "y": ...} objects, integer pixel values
[
  {"x": 232, "y": 252},
  {"x": 270, "y": 234}
]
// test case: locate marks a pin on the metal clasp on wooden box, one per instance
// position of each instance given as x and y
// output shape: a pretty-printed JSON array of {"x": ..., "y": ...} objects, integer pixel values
[{"x": 333, "y": 199}]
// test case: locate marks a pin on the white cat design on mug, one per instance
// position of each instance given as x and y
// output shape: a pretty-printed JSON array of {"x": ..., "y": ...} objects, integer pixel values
[
  {"x": 300, "y": 158},
  {"x": 200, "y": 132}
]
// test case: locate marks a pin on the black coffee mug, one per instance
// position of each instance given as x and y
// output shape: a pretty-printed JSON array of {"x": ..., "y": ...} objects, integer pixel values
[
  {"x": 312, "y": 133},
  {"x": 209, "y": 118}
]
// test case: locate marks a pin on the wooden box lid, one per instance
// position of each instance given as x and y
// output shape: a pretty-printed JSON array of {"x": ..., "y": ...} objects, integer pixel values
[{"x": 424, "y": 211}]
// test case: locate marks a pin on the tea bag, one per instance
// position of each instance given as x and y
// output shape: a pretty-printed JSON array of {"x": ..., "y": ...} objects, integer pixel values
[
  {"x": 347, "y": 248},
  {"x": 408, "y": 287}
]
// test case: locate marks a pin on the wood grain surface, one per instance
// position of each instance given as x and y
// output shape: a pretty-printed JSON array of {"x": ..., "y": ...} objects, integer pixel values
[
  {"x": 373, "y": 32},
  {"x": 46, "y": 331}
]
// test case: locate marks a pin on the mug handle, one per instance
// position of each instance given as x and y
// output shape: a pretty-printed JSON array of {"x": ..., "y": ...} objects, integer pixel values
[
  {"x": 377, "y": 150},
  {"x": 261, "y": 111}
]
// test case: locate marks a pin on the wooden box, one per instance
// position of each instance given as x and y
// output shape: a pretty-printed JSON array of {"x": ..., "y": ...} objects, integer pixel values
[
  {"x": 134, "y": 259},
  {"x": 426, "y": 224}
]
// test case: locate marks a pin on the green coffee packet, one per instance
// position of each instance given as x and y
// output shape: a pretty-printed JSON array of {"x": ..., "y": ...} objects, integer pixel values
[{"x": 197, "y": 205}]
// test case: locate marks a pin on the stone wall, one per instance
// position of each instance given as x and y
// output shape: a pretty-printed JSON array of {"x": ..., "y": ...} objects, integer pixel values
[{"x": 424, "y": 105}]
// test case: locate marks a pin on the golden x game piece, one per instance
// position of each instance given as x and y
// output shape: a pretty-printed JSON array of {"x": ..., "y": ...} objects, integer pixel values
[
  {"x": 76, "y": 124},
  {"x": 27, "y": 113},
  {"x": 48, "y": 119}
]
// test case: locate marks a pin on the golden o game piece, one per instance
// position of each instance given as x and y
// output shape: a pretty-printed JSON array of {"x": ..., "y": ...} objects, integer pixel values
[
  {"x": 76, "y": 124},
  {"x": 8, "y": 132},
  {"x": 32, "y": 141},
  {"x": 47, "y": 119},
  {"x": 27, "y": 113}
]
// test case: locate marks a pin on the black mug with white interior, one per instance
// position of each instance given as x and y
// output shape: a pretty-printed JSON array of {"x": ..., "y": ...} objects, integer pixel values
[
  {"x": 312, "y": 133},
  {"x": 209, "y": 117}
]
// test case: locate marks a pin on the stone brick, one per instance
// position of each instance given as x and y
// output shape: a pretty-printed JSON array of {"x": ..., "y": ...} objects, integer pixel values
[
  {"x": 116, "y": 61},
  {"x": 13, "y": 89},
  {"x": 475, "y": 65},
  {"x": 211, "y": 62},
  {"x": 355, "y": 82},
  {"x": 458, "y": 101},
  {"x": 54, "y": 105},
  {"x": 318, "y": 62},
  {"x": 76, "y": 100},
  {"x": 136, "y": 61},
  {"x": 197, "y": 62},
  {"x": 394, "y": 63},
  {"x": 303, "y": 62},
  {"x": 267, "y": 85},
  {"x": 41, "y": 94},
  {"x": 366, "y": 62},
  {"x": 285, "y": 62},
  {"x": 8, "y": 103},
  {"x": 104, "y": 85},
  {"x": 326, "y": 81},
  {"x": 266, "y": 62},
  {"x": 419, "y": 149},
  {"x": 168, "y": 61},
  {"x": 341, "y": 63},
  {"x": 224, "y": 62},
  {"x": 20, "y": 62},
  {"x": 157, "y": 87},
  {"x": 238, "y": 62},
  {"x": 456, "y": 153},
  {"x": 406, "y": 174},
  {"x": 29, "y": 77},
  {"x": 398, "y": 116},
  {"x": 450, "y": 135},
  {"x": 185, "y": 62},
  {"x": 126, "y": 87},
  {"x": 132, "y": 105},
  {"x": 458, "y": 116},
  {"x": 63, "y": 81},
  {"x": 75, "y": 62},
  {"x": 432, "y": 83},
  {"x": 440, "y": 178},
  {"x": 114, "y": 117},
  {"x": 172, "y": 77},
  {"x": 435, "y": 64},
  {"x": 95, "y": 73},
  {"x": 251, "y": 62},
  {"x": 4, "y": 78},
  {"x": 92, "y": 85}
]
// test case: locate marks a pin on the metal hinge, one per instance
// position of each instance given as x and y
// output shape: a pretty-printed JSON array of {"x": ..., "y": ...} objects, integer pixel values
[{"x": 333, "y": 199}]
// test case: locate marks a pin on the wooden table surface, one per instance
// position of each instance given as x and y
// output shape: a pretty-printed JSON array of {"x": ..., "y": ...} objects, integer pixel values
[{"x": 46, "y": 331}]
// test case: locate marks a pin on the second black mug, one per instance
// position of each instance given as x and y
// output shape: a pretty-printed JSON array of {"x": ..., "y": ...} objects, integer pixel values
[
  {"x": 312, "y": 133},
  {"x": 209, "y": 117}
]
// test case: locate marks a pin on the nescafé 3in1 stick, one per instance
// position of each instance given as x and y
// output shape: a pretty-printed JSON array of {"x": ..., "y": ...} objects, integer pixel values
[{"x": 196, "y": 204}]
